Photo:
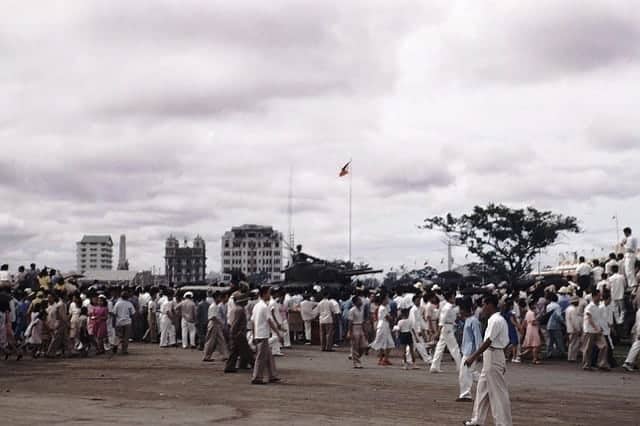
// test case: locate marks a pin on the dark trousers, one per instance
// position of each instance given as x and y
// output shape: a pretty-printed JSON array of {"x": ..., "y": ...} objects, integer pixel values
[
  {"x": 326, "y": 336},
  {"x": 556, "y": 338},
  {"x": 124, "y": 332},
  {"x": 239, "y": 349}
]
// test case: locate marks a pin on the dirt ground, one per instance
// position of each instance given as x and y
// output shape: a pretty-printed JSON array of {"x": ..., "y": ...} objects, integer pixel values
[{"x": 154, "y": 386}]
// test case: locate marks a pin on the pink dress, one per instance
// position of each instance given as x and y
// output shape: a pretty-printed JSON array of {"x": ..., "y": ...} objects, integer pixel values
[
  {"x": 98, "y": 321},
  {"x": 532, "y": 336}
]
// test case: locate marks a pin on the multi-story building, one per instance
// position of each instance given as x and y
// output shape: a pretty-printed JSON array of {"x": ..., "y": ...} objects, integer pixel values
[
  {"x": 185, "y": 265},
  {"x": 252, "y": 249},
  {"x": 94, "y": 252}
]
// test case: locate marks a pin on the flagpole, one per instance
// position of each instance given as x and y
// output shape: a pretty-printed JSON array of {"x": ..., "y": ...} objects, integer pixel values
[{"x": 350, "y": 206}]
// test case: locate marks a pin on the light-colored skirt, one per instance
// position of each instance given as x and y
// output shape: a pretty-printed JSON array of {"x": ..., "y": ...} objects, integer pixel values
[{"x": 384, "y": 339}]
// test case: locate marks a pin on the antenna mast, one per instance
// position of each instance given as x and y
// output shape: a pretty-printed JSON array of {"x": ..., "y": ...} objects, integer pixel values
[{"x": 290, "y": 212}]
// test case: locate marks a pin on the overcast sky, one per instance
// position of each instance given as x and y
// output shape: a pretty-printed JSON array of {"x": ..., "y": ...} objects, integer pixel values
[{"x": 156, "y": 117}]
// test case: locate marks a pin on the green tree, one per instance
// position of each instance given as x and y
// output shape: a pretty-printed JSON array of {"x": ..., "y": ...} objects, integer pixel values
[{"x": 506, "y": 240}]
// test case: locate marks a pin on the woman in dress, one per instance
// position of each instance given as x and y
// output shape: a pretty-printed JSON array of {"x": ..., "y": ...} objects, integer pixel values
[
  {"x": 383, "y": 342},
  {"x": 512, "y": 324},
  {"x": 74, "y": 314},
  {"x": 532, "y": 334},
  {"x": 98, "y": 315}
]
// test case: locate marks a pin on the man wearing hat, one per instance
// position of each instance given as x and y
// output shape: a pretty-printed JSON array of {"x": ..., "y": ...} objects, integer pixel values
[
  {"x": 574, "y": 328},
  {"x": 238, "y": 344},
  {"x": 187, "y": 309}
]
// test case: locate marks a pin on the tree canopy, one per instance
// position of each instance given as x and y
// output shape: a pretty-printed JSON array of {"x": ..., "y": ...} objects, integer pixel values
[{"x": 506, "y": 240}]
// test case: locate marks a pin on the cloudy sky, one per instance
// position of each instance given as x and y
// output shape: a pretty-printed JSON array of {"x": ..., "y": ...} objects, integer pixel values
[{"x": 158, "y": 117}]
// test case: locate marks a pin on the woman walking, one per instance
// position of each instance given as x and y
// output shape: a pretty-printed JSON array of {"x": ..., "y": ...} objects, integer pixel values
[{"x": 383, "y": 342}]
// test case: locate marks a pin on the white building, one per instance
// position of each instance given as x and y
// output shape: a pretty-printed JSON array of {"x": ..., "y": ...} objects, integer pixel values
[
  {"x": 94, "y": 252},
  {"x": 252, "y": 249}
]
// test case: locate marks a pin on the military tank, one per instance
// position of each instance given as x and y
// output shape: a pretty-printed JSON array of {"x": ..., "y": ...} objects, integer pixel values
[{"x": 306, "y": 271}]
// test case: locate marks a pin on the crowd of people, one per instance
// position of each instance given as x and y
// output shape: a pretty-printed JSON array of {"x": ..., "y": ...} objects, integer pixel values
[{"x": 47, "y": 315}]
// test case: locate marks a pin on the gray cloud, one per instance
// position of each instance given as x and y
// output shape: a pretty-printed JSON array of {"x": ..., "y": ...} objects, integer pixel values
[{"x": 150, "y": 118}]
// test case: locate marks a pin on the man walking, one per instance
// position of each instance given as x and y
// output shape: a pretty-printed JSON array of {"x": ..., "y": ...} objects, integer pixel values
[
  {"x": 630, "y": 362},
  {"x": 447, "y": 337},
  {"x": 239, "y": 346},
  {"x": 617, "y": 287},
  {"x": 263, "y": 325},
  {"x": 215, "y": 335},
  {"x": 187, "y": 309},
  {"x": 356, "y": 332},
  {"x": 593, "y": 334},
  {"x": 471, "y": 342},
  {"x": 574, "y": 328},
  {"x": 630, "y": 244},
  {"x": 202, "y": 318},
  {"x": 492, "y": 391},
  {"x": 123, "y": 311},
  {"x": 326, "y": 312},
  {"x": 307, "y": 307}
]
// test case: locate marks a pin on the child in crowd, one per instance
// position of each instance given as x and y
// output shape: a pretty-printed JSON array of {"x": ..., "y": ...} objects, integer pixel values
[
  {"x": 33, "y": 334},
  {"x": 532, "y": 340},
  {"x": 405, "y": 338}
]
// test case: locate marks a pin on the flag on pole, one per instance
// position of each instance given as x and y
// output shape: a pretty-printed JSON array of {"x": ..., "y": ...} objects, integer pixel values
[{"x": 345, "y": 170}]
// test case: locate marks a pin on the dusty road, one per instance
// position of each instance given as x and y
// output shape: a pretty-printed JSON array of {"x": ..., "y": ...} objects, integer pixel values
[{"x": 166, "y": 387}]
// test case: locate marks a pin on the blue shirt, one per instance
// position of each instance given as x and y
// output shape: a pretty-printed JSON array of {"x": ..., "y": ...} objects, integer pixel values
[
  {"x": 471, "y": 336},
  {"x": 555, "y": 321}
]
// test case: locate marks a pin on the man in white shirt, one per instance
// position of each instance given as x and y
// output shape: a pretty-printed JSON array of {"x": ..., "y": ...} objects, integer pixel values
[
  {"x": 187, "y": 310},
  {"x": 215, "y": 336},
  {"x": 603, "y": 284},
  {"x": 355, "y": 332},
  {"x": 417, "y": 329},
  {"x": 448, "y": 315},
  {"x": 617, "y": 286},
  {"x": 630, "y": 244},
  {"x": 597, "y": 271},
  {"x": 274, "y": 309},
  {"x": 583, "y": 274},
  {"x": 306, "y": 312},
  {"x": 607, "y": 319},
  {"x": 263, "y": 326},
  {"x": 492, "y": 392},
  {"x": 630, "y": 362},
  {"x": 574, "y": 328},
  {"x": 326, "y": 310},
  {"x": 124, "y": 312},
  {"x": 593, "y": 334}
]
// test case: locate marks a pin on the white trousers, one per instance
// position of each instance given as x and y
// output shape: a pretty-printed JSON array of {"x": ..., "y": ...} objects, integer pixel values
[
  {"x": 286, "y": 334},
  {"x": 633, "y": 353},
  {"x": 420, "y": 347},
  {"x": 618, "y": 311},
  {"x": 167, "y": 332},
  {"x": 188, "y": 333},
  {"x": 492, "y": 392},
  {"x": 447, "y": 340},
  {"x": 276, "y": 347},
  {"x": 307, "y": 331},
  {"x": 467, "y": 376},
  {"x": 630, "y": 269}
]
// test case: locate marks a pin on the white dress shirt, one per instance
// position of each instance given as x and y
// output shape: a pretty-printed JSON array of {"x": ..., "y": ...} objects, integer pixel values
[
  {"x": 326, "y": 310},
  {"x": 306, "y": 310},
  {"x": 497, "y": 331},
  {"x": 447, "y": 315},
  {"x": 583, "y": 269},
  {"x": 617, "y": 283},
  {"x": 591, "y": 311},
  {"x": 260, "y": 319},
  {"x": 573, "y": 320}
]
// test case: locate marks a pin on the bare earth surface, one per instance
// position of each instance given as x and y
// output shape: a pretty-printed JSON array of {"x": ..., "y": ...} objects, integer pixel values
[{"x": 167, "y": 387}]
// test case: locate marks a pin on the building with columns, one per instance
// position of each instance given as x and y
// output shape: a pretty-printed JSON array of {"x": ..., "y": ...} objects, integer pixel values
[
  {"x": 185, "y": 265},
  {"x": 252, "y": 249}
]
